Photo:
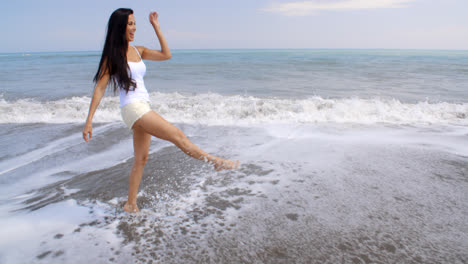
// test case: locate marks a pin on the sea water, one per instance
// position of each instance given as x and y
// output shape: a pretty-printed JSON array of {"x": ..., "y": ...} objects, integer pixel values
[{"x": 347, "y": 156}]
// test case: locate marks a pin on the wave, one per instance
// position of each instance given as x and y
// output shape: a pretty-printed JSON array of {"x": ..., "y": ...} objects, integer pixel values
[{"x": 216, "y": 109}]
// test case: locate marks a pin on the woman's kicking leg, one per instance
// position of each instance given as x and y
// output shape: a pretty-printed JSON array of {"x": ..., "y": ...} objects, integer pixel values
[
  {"x": 141, "y": 143},
  {"x": 152, "y": 123}
]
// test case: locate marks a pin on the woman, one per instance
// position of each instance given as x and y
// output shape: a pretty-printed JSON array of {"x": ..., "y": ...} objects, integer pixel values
[{"x": 123, "y": 66}]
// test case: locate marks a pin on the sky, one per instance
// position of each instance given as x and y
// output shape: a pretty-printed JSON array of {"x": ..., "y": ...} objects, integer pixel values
[{"x": 61, "y": 25}]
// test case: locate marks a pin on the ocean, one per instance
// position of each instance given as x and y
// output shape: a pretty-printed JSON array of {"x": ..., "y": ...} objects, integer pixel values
[{"x": 347, "y": 156}]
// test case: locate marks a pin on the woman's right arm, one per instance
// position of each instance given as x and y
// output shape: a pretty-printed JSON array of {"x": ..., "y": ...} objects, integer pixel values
[{"x": 99, "y": 92}]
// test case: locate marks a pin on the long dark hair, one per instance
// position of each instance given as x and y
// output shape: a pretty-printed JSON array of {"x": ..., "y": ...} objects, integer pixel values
[{"x": 114, "y": 54}]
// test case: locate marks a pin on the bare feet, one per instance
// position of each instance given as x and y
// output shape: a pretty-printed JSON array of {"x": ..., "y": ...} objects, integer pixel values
[
  {"x": 131, "y": 208},
  {"x": 223, "y": 164}
]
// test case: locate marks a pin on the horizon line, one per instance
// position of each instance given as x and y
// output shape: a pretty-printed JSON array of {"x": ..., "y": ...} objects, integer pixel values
[{"x": 182, "y": 49}]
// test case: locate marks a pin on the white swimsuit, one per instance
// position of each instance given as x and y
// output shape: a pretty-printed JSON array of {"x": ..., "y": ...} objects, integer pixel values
[
  {"x": 137, "y": 72},
  {"x": 134, "y": 104}
]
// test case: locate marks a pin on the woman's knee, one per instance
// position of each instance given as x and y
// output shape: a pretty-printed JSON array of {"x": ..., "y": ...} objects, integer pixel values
[{"x": 141, "y": 160}]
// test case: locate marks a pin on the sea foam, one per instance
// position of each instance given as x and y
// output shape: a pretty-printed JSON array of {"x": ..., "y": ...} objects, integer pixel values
[{"x": 216, "y": 109}]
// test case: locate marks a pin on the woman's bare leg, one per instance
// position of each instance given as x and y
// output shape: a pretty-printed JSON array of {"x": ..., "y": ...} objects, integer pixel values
[
  {"x": 152, "y": 123},
  {"x": 141, "y": 143}
]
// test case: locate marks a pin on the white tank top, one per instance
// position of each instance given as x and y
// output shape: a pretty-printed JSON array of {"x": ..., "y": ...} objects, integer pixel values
[{"x": 137, "y": 71}]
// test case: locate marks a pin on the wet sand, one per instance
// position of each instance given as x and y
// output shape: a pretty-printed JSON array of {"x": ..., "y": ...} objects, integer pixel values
[{"x": 351, "y": 203}]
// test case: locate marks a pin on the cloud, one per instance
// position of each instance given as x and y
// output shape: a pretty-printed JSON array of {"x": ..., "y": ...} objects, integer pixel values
[{"x": 308, "y": 7}]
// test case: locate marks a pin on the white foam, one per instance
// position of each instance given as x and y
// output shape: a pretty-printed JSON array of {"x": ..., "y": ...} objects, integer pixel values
[
  {"x": 28, "y": 235},
  {"x": 215, "y": 109}
]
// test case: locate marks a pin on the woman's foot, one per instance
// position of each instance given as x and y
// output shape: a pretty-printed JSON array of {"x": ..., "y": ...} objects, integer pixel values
[
  {"x": 223, "y": 164},
  {"x": 131, "y": 208}
]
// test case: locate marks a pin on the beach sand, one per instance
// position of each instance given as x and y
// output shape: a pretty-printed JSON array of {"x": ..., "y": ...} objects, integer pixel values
[{"x": 303, "y": 194}]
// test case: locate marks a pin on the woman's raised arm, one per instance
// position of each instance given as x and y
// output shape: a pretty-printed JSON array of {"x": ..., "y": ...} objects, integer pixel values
[{"x": 156, "y": 55}]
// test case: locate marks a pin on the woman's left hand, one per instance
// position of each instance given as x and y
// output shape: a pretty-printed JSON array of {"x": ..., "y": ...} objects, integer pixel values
[{"x": 153, "y": 18}]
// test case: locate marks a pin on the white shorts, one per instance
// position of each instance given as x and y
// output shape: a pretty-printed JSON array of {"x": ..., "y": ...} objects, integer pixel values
[{"x": 133, "y": 111}]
